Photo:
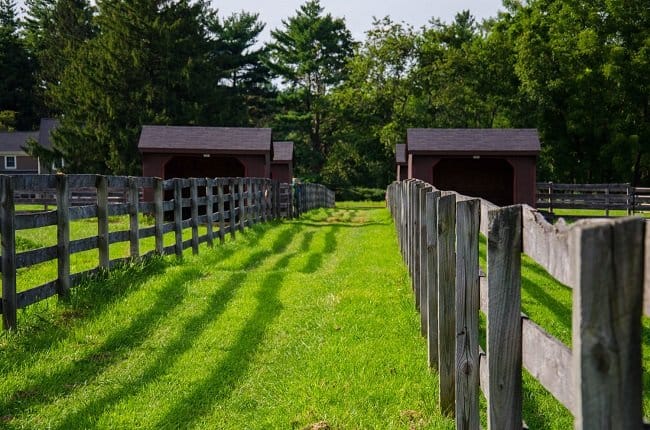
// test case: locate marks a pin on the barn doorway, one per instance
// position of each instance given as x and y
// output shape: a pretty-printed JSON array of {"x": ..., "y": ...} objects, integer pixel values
[
  {"x": 204, "y": 167},
  {"x": 488, "y": 178}
]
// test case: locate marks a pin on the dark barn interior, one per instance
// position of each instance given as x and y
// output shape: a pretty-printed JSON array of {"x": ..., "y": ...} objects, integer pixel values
[{"x": 488, "y": 178}]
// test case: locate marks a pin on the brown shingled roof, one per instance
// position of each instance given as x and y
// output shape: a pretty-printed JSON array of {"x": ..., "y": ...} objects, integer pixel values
[
  {"x": 282, "y": 151},
  {"x": 204, "y": 139},
  {"x": 400, "y": 153},
  {"x": 44, "y": 136},
  {"x": 13, "y": 142},
  {"x": 448, "y": 140}
]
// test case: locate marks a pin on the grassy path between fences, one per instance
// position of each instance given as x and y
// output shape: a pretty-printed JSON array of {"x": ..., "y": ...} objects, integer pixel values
[
  {"x": 305, "y": 324},
  {"x": 292, "y": 325}
]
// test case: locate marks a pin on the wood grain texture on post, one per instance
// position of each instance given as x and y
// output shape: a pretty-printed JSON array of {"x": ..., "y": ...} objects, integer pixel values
[
  {"x": 504, "y": 343},
  {"x": 467, "y": 309},
  {"x": 209, "y": 210},
  {"x": 432, "y": 277},
  {"x": 159, "y": 213},
  {"x": 102, "y": 222},
  {"x": 607, "y": 300},
  {"x": 424, "y": 258},
  {"x": 178, "y": 217},
  {"x": 63, "y": 235},
  {"x": 8, "y": 248},
  {"x": 134, "y": 233},
  {"x": 447, "y": 301},
  {"x": 194, "y": 211}
]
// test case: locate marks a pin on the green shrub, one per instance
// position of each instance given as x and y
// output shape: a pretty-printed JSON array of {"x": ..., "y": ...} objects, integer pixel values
[{"x": 358, "y": 194}]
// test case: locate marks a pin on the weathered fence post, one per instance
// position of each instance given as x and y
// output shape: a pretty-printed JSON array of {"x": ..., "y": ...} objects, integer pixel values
[
  {"x": 102, "y": 222},
  {"x": 178, "y": 217},
  {"x": 467, "y": 308},
  {"x": 415, "y": 261},
  {"x": 447, "y": 301},
  {"x": 231, "y": 206},
  {"x": 432, "y": 277},
  {"x": 8, "y": 248},
  {"x": 607, "y": 300},
  {"x": 63, "y": 235},
  {"x": 159, "y": 214},
  {"x": 194, "y": 211},
  {"x": 221, "y": 207},
  {"x": 133, "y": 199},
  {"x": 424, "y": 258},
  {"x": 504, "y": 318},
  {"x": 209, "y": 207},
  {"x": 242, "y": 200}
]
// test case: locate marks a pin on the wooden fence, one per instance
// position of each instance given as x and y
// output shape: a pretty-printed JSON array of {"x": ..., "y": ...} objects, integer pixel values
[
  {"x": 593, "y": 196},
  {"x": 223, "y": 205},
  {"x": 599, "y": 379}
]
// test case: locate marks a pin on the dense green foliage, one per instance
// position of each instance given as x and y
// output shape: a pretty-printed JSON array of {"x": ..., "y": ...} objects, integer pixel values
[{"x": 578, "y": 71}]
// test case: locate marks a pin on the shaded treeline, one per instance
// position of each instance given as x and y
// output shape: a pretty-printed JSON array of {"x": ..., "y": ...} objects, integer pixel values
[{"x": 578, "y": 71}]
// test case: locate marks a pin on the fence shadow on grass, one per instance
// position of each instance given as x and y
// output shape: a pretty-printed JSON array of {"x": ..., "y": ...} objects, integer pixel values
[
  {"x": 224, "y": 378},
  {"x": 187, "y": 333},
  {"x": 92, "y": 297},
  {"x": 49, "y": 386}
]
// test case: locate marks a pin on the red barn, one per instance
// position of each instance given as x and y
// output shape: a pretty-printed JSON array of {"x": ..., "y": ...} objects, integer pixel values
[
  {"x": 498, "y": 165},
  {"x": 282, "y": 164},
  {"x": 187, "y": 151}
]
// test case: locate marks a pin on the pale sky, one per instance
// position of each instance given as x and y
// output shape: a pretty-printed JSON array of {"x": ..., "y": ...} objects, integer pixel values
[{"x": 358, "y": 13}]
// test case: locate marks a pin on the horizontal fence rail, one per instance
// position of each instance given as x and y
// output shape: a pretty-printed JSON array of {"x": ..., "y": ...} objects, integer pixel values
[
  {"x": 605, "y": 197},
  {"x": 222, "y": 205},
  {"x": 598, "y": 379}
]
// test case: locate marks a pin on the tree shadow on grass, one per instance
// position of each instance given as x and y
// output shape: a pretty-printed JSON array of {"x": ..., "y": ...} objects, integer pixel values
[
  {"x": 186, "y": 335},
  {"x": 224, "y": 379},
  {"x": 92, "y": 362}
]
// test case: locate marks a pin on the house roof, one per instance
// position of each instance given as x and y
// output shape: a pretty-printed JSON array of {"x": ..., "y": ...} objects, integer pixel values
[
  {"x": 12, "y": 143},
  {"x": 400, "y": 153},
  {"x": 44, "y": 136},
  {"x": 477, "y": 140},
  {"x": 283, "y": 151},
  {"x": 204, "y": 139}
]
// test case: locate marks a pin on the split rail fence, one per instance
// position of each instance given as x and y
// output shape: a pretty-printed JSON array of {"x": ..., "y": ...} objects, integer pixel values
[
  {"x": 223, "y": 205},
  {"x": 592, "y": 196},
  {"x": 599, "y": 379}
]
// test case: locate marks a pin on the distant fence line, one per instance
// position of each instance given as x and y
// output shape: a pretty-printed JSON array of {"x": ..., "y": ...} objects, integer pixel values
[
  {"x": 605, "y": 197},
  {"x": 223, "y": 205},
  {"x": 599, "y": 379}
]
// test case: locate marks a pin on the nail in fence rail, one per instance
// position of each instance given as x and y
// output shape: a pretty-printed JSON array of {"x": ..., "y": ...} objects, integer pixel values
[
  {"x": 177, "y": 205},
  {"x": 599, "y": 379}
]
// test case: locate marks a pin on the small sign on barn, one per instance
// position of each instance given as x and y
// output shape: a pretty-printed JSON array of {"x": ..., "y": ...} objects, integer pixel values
[{"x": 498, "y": 165}]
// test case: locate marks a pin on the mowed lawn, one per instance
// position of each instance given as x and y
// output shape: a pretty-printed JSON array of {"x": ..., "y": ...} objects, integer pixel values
[{"x": 301, "y": 324}]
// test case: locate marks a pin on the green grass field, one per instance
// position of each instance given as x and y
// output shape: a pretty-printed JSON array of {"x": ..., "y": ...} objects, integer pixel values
[{"x": 291, "y": 325}]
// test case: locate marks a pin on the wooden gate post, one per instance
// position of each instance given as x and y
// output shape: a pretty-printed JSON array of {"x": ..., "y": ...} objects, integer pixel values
[
  {"x": 194, "y": 211},
  {"x": 8, "y": 247},
  {"x": 222, "y": 210}
]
